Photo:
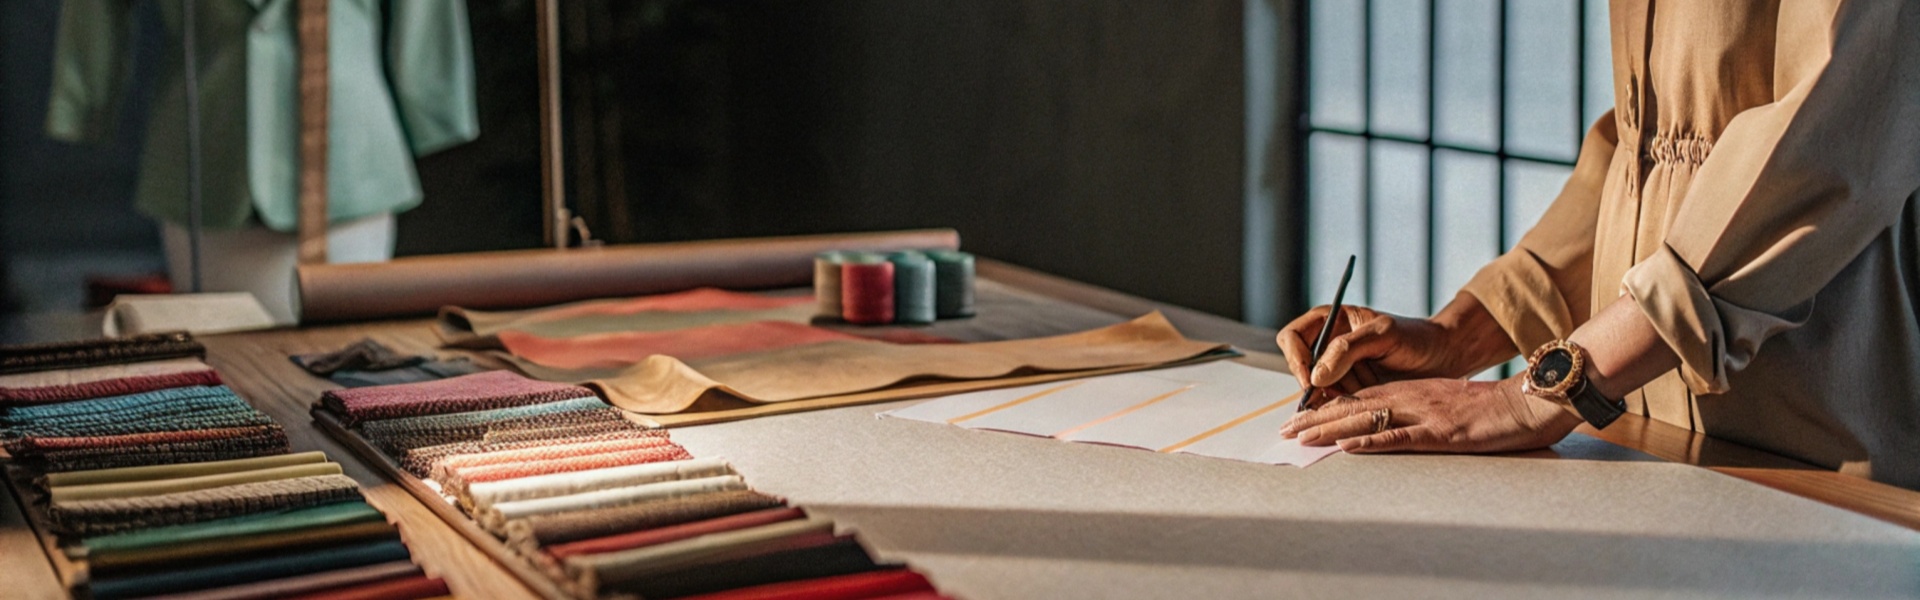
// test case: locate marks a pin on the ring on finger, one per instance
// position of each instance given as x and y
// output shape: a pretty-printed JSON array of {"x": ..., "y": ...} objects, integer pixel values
[{"x": 1382, "y": 419}]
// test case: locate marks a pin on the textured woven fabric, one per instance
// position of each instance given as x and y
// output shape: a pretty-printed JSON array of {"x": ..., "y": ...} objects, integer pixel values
[
  {"x": 420, "y": 461},
  {"x": 446, "y": 468},
  {"x": 573, "y": 482},
  {"x": 858, "y": 586},
  {"x": 364, "y": 355},
  {"x": 476, "y": 392},
  {"x": 84, "y": 383},
  {"x": 186, "y": 470},
  {"x": 157, "y": 403},
  {"x": 586, "y": 426},
  {"x": 239, "y": 547},
  {"x": 459, "y": 479},
  {"x": 469, "y": 423},
  {"x": 426, "y": 371},
  {"x": 661, "y": 535},
  {"x": 282, "y": 565},
  {"x": 155, "y": 487},
  {"x": 546, "y": 530},
  {"x": 96, "y": 352},
  {"x": 253, "y": 442},
  {"x": 301, "y": 584},
  {"x": 336, "y": 513},
  {"x": 843, "y": 557},
  {"x": 494, "y": 517},
  {"x": 399, "y": 588},
  {"x": 95, "y": 517},
  {"x": 397, "y": 439},
  {"x": 33, "y": 446}
]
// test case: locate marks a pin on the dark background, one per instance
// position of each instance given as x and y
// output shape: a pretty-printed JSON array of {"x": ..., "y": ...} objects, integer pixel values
[{"x": 1104, "y": 141}]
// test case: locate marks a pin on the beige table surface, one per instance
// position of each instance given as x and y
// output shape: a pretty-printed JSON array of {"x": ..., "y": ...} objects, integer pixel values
[{"x": 990, "y": 515}]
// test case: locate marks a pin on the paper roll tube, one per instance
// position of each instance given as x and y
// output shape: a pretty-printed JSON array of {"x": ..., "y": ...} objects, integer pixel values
[{"x": 527, "y": 278}]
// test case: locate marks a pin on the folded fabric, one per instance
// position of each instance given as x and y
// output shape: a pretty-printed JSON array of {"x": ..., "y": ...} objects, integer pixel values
[
  {"x": 95, "y": 517},
  {"x": 151, "y": 472},
  {"x": 222, "y": 444},
  {"x": 283, "y": 565},
  {"x": 495, "y": 517},
  {"x": 426, "y": 371},
  {"x": 42, "y": 387},
  {"x": 364, "y": 355},
  {"x": 487, "y": 493},
  {"x": 458, "y": 480},
  {"x": 531, "y": 533},
  {"x": 240, "y": 426},
  {"x": 467, "y": 393},
  {"x": 155, "y": 487},
  {"x": 398, "y": 435},
  {"x": 586, "y": 425},
  {"x": 335, "y": 513},
  {"x": 458, "y": 320},
  {"x": 858, "y": 586},
  {"x": 446, "y": 468},
  {"x": 235, "y": 548},
  {"x": 674, "y": 533},
  {"x": 300, "y": 584},
  {"x": 663, "y": 384},
  {"x": 145, "y": 405},
  {"x": 420, "y": 461},
  {"x": 620, "y": 349},
  {"x": 402, "y": 588},
  {"x": 597, "y": 571},
  {"x": 97, "y": 352},
  {"x": 840, "y": 557}
]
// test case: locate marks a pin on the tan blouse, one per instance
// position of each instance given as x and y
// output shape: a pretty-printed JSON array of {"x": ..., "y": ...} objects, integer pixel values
[{"x": 1754, "y": 192}]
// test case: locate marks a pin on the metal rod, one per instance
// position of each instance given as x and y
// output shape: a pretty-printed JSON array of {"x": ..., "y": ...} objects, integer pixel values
[
  {"x": 1496, "y": 153},
  {"x": 189, "y": 43},
  {"x": 1500, "y": 145},
  {"x": 552, "y": 162},
  {"x": 1433, "y": 154},
  {"x": 1366, "y": 148},
  {"x": 1303, "y": 53}
]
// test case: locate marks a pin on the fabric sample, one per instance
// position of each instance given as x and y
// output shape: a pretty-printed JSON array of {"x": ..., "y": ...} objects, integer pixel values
[
  {"x": 148, "y": 411},
  {"x": 426, "y": 371},
  {"x": 420, "y": 461},
  {"x": 335, "y": 513},
  {"x": 698, "y": 300},
  {"x": 151, "y": 472},
  {"x": 673, "y": 533},
  {"x": 258, "y": 569},
  {"x": 858, "y": 586},
  {"x": 487, "y": 493},
  {"x": 546, "y": 530},
  {"x": 842, "y": 557},
  {"x": 620, "y": 349},
  {"x": 300, "y": 584},
  {"x": 447, "y": 468},
  {"x": 155, "y": 487},
  {"x": 495, "y": 517},
  {"x": 263, "y": 544},
  {"x": 458, "y": 480},
  {"x": 364, "y": 355},
  {"x": 210, "y": 445},
  {"x": 401, "y": 588},
  {"x": 96, "y": 352},
  {"x": 95, "y": 517},
  {"x": 664, "y": 384},
  {"x": 599, "y": 571},
  {"x": 64, "y": 385},
  {"x": 214, "y": 429},
  {"x": 467, "y": 393},
  {"x": 396, "y": 436}
]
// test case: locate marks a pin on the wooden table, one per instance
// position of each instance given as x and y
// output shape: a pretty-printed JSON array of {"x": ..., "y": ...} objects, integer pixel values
[{"x": 255, "y": 365}]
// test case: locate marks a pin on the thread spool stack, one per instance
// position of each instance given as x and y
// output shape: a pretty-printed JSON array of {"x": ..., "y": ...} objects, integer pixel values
[
  {"x": 826, "y": 283},
  {"x": 914, "y": 296},
  {"x": 866, "y": 289},
  {"x": 953, "y": 283},
  {"x": 907, "y": 287}
]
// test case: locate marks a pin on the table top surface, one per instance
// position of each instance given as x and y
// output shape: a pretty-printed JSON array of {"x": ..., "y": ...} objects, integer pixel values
[{"x": 998, "y": 515}]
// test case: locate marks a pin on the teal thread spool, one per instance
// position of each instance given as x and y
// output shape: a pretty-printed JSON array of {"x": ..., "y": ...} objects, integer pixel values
[
  {"x": 913, "y": 288},
  {"x": 826, "y": 283},
  {"x": 953, "y": 283}
]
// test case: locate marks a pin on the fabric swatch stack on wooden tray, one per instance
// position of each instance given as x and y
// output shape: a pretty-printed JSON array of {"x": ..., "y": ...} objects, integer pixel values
[
  {"x": 599, "y": 505},
  {"x": 151, "y": 479}
]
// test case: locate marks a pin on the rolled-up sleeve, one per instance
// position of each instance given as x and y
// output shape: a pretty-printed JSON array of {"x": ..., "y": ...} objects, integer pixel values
[
  {"x": 1793, "y": 191},
  {"x": 1539, "y": 291}
]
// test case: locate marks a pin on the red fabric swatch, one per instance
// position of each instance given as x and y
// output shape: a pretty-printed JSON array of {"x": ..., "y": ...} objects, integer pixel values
[
  {"x": 107, "y": 387},
  {"x": 411, "y": 587},
  {"x": 549, "y": 451},
  {"x": 694, "y": 300},
  {"x": 479, "y": 391},
  {"x": 615, "y": 350},
  {"x": 638, "y": 539},
  {"x": 858, "y": 586}
]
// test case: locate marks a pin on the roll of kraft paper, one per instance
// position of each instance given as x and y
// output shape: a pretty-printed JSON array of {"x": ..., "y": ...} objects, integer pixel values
[
  {"x": 826, "y": 283},
  {"x": 420, "y": 285},
  {"x": 953, "y": 283},
  {"x": 866, "y": 289},
  {"x": 913, "y": 288}
]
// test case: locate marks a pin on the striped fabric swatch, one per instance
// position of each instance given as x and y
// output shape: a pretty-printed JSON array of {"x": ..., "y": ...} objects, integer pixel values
[
  {"x": 495, "y": 517},
  {"x": 476, "y": 392},
  {"x": 95, "y": 517},
  {"x": 45, "y": 387},
  {"x": 532, "y": 533}
]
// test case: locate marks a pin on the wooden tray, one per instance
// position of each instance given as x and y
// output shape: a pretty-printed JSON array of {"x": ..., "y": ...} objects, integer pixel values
[{"x": 33, "y": 508}]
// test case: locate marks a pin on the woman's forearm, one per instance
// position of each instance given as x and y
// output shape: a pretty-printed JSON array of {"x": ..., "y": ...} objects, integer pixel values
[
  {"x": 1626, "y": 350},
  {"x": 1476, "y": 339}
]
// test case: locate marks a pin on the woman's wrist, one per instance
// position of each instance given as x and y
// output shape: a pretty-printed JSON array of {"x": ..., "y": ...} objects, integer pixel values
[{"x": 1471, "y": 338}]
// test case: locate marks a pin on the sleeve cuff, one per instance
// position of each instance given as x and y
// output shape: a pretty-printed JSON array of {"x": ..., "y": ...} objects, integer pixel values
[
  {"x": 1519, "y": 291},
  {"x": 1713, "y": 337}
]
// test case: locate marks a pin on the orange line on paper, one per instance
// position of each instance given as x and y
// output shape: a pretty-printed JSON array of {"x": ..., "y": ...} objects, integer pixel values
[
  {"x": 1123, "y": 412},
  {"x": 1232, "y": 424},
  {"x": 1012, "y": 403}
]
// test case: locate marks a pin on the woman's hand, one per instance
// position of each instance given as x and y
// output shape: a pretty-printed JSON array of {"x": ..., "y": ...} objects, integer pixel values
[
  {"x": 1436, "y": 415},
  {"x": 1370, "y": 347}
]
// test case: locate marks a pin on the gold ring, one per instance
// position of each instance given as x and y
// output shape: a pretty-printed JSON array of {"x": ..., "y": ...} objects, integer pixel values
[{"x": 1382, "y": 419}]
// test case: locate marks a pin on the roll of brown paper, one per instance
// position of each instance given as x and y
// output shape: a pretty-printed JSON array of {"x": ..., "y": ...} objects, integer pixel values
[{"x": 420, "y": 285}]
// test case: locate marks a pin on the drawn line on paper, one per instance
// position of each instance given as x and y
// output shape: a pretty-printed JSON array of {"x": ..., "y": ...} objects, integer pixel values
[
  {"x": 1123, "y": 412},
  {"x": 1232, "y": 424},
  {"x": 1012, "y": 403}
]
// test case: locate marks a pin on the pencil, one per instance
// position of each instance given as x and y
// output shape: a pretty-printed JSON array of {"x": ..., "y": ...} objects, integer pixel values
[{"x": 1326, "y": 335}]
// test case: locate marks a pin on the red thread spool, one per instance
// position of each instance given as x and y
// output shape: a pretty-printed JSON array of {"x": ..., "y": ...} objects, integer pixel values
[{"x": 866, "y": 289}]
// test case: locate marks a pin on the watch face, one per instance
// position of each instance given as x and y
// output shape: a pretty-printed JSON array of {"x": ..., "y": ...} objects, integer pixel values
[{"x": 1552, "y": 368}]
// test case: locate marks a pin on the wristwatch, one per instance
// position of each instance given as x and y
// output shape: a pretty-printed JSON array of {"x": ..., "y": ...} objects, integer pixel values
[{"x": 1558, "y": 372}]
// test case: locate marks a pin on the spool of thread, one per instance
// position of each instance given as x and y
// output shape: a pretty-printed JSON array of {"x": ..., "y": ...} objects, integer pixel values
[
  {"x": 913, "y": 291},
  {"x": 866, "y": 289},
  {"x": 826, "y": 283},
  {"x": 953, "y": 283}
]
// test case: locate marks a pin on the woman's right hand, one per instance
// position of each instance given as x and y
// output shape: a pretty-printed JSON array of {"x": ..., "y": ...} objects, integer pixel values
[{"x": 1371, "y": 347}]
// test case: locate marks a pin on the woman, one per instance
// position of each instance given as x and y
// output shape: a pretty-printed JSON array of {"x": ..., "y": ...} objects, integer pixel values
[{"x": 1735, "y": 253}]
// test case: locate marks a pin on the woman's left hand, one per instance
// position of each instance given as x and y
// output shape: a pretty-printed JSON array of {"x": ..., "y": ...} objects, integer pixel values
[{"x": 1436, "y": 415}]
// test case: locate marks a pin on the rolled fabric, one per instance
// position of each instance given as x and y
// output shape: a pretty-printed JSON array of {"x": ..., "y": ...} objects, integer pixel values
[
  {"x": 842, "y": 557},
  {"x": 460, "y": 480},
  {"x": 403, "y": 588},
  {"x": 300, "y": 584},
  {"x": 155, "y": 487},
  {"x": 953, "y": 273},
  {"x": 524, "y": 278},
  {"x": 531, "y": 533},
  {"x": 96, "y": 352},
  {"x": 826, "y": 284},
  {"x": 446, "y": 468},
  {"x": 875, "y": 584},
  {"x": 232, "y": 548},
  {"x": 866, "y": 289},
  {"x": 94, "y": 517},
  {"x": 335, "y": 513},
  {"x": 214, "y": 576},
  {"x": 495, "y": 517},
  {"x": 616, "y": 569},
  {"x": 674, "y": 533},
  {"x": 467, "y": 393},
  {"x": 560, "y": 484},
  {"x": 65, "y": 385},
  {"x": 151, "y": 472},
  {"x": 913, "y": 288}
]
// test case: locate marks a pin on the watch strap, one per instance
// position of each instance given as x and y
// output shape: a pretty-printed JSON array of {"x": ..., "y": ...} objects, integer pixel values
[{"x": 1598, "y": 410}]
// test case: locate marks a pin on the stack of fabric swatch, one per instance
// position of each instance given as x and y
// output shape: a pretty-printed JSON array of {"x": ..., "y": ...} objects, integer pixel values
[
  {"x": 603, "y": 506},
  {"x": 159, "y": 481}
]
